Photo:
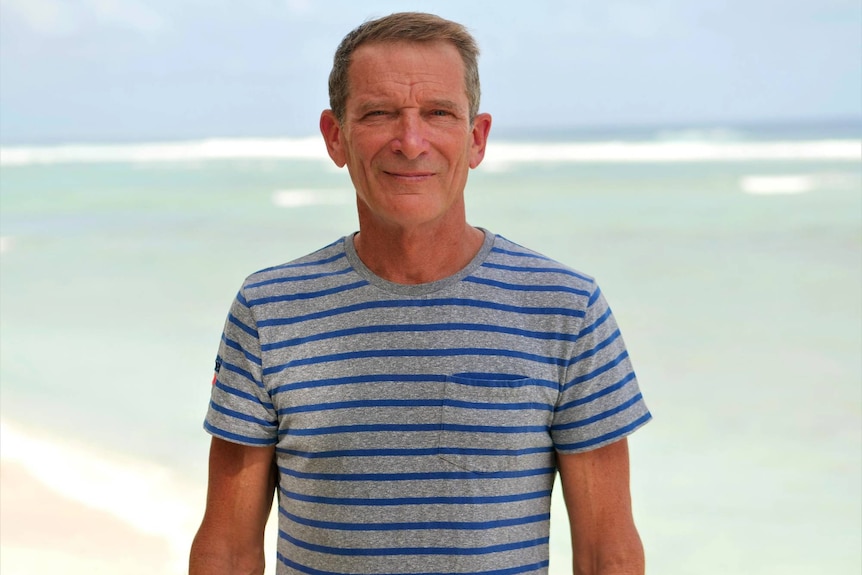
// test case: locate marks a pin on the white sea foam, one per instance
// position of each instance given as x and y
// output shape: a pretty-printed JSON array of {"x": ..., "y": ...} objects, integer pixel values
[
  {"x": 212, "y": 149},
  {"x": 148, "y": 497},
  {"x": 499, "y": 153},
  {"x": 674, "y": 151},
  {"x": 302, "y": 198},
  {"x": 796, "y": 183}
]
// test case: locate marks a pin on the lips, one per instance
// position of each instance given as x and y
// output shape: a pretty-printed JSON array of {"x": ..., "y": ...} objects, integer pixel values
[{"x": 408, "y": 175}]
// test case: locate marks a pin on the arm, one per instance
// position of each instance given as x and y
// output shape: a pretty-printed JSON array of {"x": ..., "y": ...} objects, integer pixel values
[
  {"x": 239, "y": 498},
  {"x": 595, "y": 484}
]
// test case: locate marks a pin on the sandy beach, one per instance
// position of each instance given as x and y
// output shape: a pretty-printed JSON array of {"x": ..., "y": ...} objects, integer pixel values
[
  {"x": 42, "y": 532},
  {"x": 65, "y": 508},
  {"x": 61, "y": 511}
]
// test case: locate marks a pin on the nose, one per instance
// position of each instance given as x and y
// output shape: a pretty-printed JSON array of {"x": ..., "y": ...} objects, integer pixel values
[{"x": 409, "y": 139}]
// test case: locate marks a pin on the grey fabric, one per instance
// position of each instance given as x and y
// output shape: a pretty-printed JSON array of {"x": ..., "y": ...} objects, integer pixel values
[{"x": 416, "y": 425}]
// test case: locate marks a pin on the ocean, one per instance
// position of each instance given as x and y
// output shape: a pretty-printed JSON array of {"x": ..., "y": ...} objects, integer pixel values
[{"x": 731, "y": 256}]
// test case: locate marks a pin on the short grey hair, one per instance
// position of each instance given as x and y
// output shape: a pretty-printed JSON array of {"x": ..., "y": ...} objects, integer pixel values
[{"x": 405, "y": 27}]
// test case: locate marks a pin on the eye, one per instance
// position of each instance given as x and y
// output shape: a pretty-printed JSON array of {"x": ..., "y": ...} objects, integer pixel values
[
  {"x": 441, "y": 113},
  {"x": 375, "y": 113}
]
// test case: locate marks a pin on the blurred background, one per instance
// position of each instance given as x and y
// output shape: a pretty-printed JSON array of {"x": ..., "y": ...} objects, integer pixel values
[
  {"x": 702, "y": 159},
  {"x": 126, "y": 70}
]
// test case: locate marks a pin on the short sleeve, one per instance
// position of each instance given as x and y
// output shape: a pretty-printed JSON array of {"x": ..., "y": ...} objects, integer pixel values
[
  {"x": 241, "y": 409},
  {"x": 600, "y": 400}
]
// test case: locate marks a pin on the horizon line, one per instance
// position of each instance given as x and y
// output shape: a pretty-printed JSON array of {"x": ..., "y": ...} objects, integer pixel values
[{"x": 505, "y": 130}]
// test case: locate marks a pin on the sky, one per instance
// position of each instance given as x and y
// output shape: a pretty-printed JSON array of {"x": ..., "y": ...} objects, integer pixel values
[{"x": 141, "y": 70}]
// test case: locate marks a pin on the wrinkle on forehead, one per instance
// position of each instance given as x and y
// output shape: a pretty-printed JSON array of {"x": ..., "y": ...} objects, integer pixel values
[{"x": 419, "y": 72}]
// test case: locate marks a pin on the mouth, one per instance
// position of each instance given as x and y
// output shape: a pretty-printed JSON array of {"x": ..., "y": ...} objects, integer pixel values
[{"x": 409, "y": 176}]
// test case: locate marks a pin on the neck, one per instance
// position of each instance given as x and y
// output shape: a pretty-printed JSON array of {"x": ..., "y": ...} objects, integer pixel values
[{"x": 419, "y": 255}]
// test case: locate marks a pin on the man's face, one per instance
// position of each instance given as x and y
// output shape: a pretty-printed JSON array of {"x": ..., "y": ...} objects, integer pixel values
[{"x": 406, "y": 136}]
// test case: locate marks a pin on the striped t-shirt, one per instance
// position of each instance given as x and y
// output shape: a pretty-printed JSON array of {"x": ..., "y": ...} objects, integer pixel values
[{"x": 415, "y": 425}]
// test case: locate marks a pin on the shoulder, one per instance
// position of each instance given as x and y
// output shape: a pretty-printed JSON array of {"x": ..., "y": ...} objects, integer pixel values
[
  {"x": 516, "y": 261},
  {"x": 325, "y": 262}
]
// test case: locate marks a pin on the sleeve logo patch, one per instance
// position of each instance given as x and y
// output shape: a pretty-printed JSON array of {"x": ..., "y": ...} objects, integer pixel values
[{"x": 217, "y": 368}]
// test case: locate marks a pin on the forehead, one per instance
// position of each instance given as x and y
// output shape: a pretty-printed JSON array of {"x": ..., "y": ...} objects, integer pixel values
[{"x": 424, "y": 66}]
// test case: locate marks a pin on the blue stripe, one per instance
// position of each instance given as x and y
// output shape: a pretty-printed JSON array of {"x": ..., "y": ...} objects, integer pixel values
[
  {"x": 519, "y": 254},
  {"x": 420, "y": 328},
  {"x": 598, "y": 371},
  {"x": 528, "y": 288},
  {"x": 372, "y": 403},
  {"x": 417, "y": 452},
  {"x": 378, "y": 353},
  {"x": 601, "y": 393},
  {"x": 241, "y": 299},
  {"x": 594, "y": 297},
  {"x": 308, "y": 277},
  {"x": 411, "y": 427},
  {"x": 507, "y": 571},
  {"x": 531, "y": 270},
  {"x": 413, "y": 551},
  {"x": 419, "y": 526},
  {"x": 595, "y": 325},
  {"x": 398, "y": 501},
  {"x": 306, "y": 295},
  {"x": 493, "y": 452},
  {"x": 240, "y": 371},
  {"x": 500, "y": 380},
  {"x": 236, "y": 345},
  {"x": 236, "y": 437},
  {"x": 242, "y": 416},
  {"x": 459, "y": 428},
  {"x": 420, "y": 476},
  {"x": 507, "y": 379},
  {"x": 239, "y": 393},
  {"x": 600, "y": 346},
  {"x": 356, "y": 379},
  {"x": 234, "y": 320},
  {"x": 320, "y": 262},
  {"x": 460, "y": 302},
  {"x": 606, "y": 437},
  {"x": 599, "y": 416}
]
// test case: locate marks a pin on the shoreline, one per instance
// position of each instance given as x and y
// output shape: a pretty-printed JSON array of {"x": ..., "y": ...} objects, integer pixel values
[{"x": 68, "y": 508}]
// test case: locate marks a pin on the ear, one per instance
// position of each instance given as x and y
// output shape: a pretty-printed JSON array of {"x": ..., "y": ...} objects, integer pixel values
[
  {"x": 330, "y": 128},
  {"x": 481, "y": 129}
]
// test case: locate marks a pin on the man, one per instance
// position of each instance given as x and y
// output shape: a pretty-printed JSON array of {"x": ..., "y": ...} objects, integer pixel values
[{"x": 410, "y": 391}]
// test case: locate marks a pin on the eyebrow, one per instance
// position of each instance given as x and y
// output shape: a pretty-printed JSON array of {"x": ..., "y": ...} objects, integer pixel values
[
  {"x": 443, "y": 103},
  {"x": 371, "y": 105}
]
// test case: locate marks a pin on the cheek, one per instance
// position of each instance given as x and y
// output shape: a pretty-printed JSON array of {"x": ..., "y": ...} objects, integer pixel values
[{"x": 363, "y": 161}]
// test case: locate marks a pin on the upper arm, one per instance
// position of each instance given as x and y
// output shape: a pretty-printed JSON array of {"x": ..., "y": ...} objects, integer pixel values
[
  {"x": 598, "y": 500},
  {"x": 239, "y": 497}
]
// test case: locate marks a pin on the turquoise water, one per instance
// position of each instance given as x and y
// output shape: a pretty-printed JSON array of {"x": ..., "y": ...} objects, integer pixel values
[{"x": 736, "y": 283}]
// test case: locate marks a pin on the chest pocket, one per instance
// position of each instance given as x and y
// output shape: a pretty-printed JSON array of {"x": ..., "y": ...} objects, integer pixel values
[{"x": 496, "y": 422}]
